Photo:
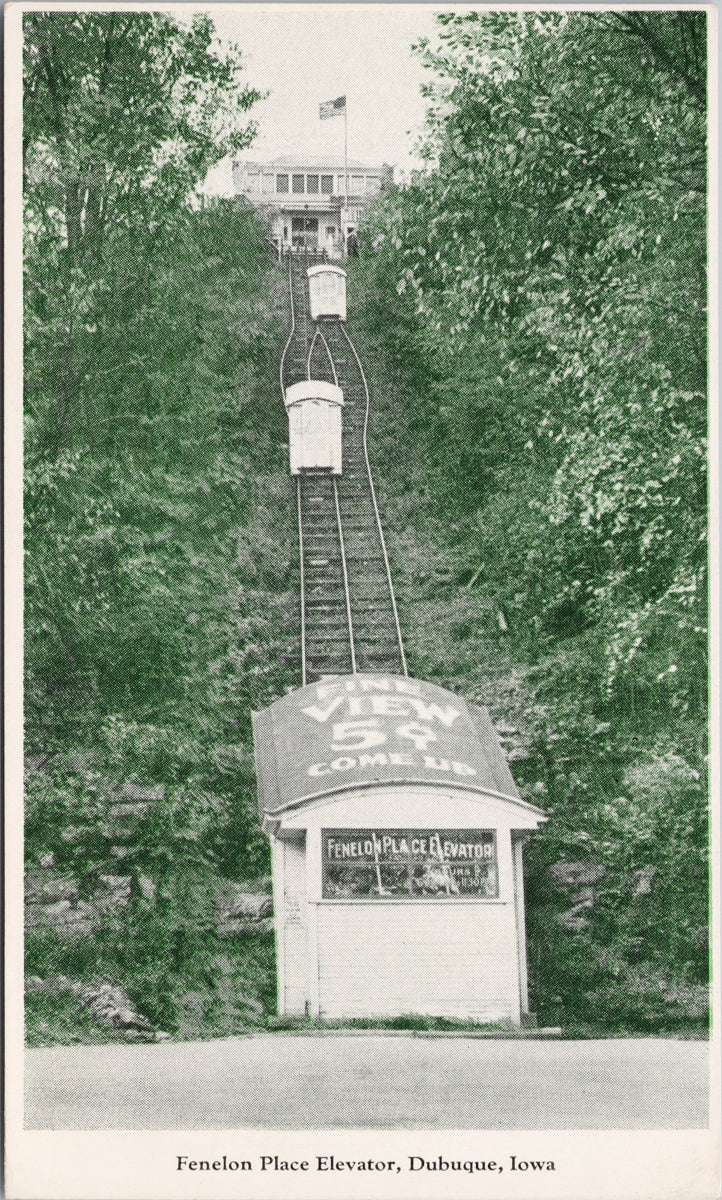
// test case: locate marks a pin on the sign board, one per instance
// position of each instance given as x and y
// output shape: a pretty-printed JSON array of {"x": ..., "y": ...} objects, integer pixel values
[
  {"x": 416, "y": 864},
  {"x": 362, "y": 729}
]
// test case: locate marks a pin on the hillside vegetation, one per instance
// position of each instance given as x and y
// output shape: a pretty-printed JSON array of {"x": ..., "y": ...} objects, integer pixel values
[
  {"x": 538, "y": 302},
  {"x": 537, "y": 350}
]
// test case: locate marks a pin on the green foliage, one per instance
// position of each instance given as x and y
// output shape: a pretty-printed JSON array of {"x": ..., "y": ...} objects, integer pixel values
[
  {"x": 538, "y": 299},
  {"x": 124, "y": 114},
  {"x": 551, "y": 266},
  {"x": 176, "y": 971},
  {"x": 531, "y": 312},
  {"x": 160, "y": 605}
]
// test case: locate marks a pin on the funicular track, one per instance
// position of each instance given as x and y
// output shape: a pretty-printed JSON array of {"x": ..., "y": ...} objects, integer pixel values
[{"x": 349, "y": 618}]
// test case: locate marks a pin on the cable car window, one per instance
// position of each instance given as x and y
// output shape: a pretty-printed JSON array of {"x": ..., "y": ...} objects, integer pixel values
[
  {"x": 297, "y": 186},
  {"x": 312, "y": 185},
  {"x": 282, "y": 183},
  {"x": 327, "y": 184}
]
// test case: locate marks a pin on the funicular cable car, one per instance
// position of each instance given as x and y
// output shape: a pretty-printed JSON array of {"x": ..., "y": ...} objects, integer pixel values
[
  {"x": 327, "y": 292},
  {"x": 314, "y": 426}
]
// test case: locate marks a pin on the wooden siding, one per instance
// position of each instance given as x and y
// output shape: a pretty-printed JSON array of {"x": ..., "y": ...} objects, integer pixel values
[
  {"x": 293, "y": 990},
  {"x": 446, "y": 959}
]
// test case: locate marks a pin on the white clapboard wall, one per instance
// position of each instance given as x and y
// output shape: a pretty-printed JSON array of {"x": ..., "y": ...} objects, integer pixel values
[
  {"x": 458, "y": 957},
  {"x": 448, "y": 959}
]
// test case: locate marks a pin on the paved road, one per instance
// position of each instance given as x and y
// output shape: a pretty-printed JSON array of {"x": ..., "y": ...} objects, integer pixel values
[{"x": 281, "y": 1081}]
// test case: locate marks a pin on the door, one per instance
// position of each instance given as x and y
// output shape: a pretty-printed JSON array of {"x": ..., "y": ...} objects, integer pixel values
[{"x": 304, "y": 233}]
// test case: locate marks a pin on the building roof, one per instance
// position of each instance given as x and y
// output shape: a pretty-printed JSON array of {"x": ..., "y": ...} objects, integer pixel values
[
  {"x": 421, "y": 734},
  {"x": 334, "y": 162}
]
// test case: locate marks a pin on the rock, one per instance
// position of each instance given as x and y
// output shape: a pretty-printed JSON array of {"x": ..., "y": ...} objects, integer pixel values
[
  {"x": 503, "y": 729},
  {"x": 134, "y": 794},
  {"x": 248, "y": 1002},
  {"x": 147, "y": 888},
  {"x": 130, "y": 1019},
  {"x": 227, "y": 928},
  {"x": 60, "y": 889},
  {"x": 111, "y": 1006},
  {"x": 160, "y": 1036},
  {"x": 251, "y": 905},
  {"x": 54, "y": 911},
  {"x": 71, "y": 834},
  {"x": 115, "y": 883},
  {"x": 645, "y": 878},
  {"x": 35, "y": 984},
  {"x": 46, "y": 860},
  {"x": 573, "y": 921},
  {"x": 575, "y": 874}
]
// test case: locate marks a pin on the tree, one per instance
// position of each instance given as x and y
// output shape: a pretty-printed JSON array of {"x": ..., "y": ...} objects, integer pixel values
[
  {"x": 124, "y": 114},
  {"x": 555, "y": 257}
]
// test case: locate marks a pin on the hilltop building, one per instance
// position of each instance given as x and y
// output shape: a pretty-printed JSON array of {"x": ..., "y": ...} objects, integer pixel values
[{"x": 313, "y": 202}]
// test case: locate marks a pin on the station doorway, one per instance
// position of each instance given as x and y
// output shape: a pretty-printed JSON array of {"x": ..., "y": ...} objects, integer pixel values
[{"x": 304, "y": 233}]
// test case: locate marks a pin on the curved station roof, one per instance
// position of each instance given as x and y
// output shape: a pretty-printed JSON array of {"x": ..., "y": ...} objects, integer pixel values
[{"x": 355, "y": 731}]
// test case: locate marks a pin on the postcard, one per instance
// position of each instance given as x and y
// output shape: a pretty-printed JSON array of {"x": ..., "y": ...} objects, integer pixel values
[{"x": 362, "y": 602}]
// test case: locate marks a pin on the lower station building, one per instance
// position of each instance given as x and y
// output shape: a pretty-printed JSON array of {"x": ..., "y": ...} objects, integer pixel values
[{"x": 397, "y": 835}]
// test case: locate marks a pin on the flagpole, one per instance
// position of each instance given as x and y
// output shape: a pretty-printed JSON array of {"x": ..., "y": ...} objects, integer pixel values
[{"x": 345, "y": 175}]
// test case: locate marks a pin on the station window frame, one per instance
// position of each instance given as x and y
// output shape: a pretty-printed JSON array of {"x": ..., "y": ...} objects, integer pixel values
[
  {"x": 327, "y": 185},
  {"x": 413, "y": 872},
  {"x": 312, "y": 185},
  {"x": 282, "y": 183},
  {"x": 297, "y": 185}
]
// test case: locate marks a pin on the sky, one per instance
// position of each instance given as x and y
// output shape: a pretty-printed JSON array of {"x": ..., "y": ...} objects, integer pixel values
[{"x": 304, "y": 54}]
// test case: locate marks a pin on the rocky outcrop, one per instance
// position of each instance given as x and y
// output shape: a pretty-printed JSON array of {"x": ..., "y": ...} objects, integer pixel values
[
  {"x": 109, "y": 1005},
  {"x": 575, "y": 874},
  {"x": 577, "y": 880},
  {"x": 52, "y": 900},
  {"x": 248, "y": 910}
]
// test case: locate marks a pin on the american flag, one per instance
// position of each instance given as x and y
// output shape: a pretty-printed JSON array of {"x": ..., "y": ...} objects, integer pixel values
[{"x": 332, "y": 108}]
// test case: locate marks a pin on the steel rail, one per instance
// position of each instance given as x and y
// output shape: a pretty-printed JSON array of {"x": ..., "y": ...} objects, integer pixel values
[
  {"x": 375, "y": 503},
  {"x": 303, "y": 583},
  {"x": 344, "y": 570},
  {"x": 293, "y": 327},
  {"x": 330, "y": 355}
]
